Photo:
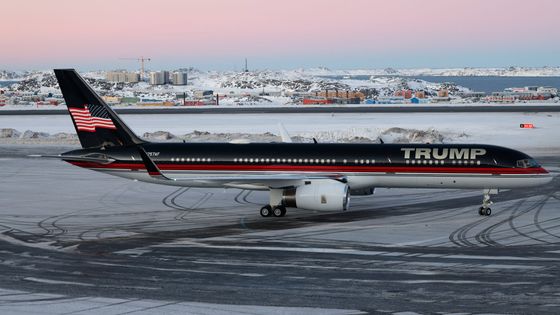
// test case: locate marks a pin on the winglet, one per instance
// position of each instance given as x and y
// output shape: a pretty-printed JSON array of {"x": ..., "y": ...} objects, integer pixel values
[{"x": 151, "y": 167}]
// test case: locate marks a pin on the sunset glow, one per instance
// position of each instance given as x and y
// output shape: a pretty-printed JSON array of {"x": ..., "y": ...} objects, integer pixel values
[{"x": 218, "y": 34}]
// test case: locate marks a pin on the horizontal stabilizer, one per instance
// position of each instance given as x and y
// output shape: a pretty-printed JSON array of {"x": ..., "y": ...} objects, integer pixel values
[{"x": 78, "y": 158}]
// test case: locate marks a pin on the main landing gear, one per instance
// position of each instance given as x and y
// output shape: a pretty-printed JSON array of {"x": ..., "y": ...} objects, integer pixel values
[
  {"x": 486, "y": 202},
  {"x": 276, "y": 206},
  {"x": 277, "y": 211}
]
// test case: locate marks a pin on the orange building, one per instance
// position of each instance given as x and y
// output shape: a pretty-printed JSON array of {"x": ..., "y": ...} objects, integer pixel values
[
  {"x": 443, "y": 93},
  {"x": 340, "y": 94}
]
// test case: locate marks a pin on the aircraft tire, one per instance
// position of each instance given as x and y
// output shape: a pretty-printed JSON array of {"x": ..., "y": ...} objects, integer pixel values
[
  {"x": 279, "y": 211},
  {"x": 266, "y": 211}
]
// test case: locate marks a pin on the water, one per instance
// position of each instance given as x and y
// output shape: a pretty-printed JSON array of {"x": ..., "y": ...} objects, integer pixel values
[
  {"x": 495, "y": 84},
  {"x": 6, "y": 83},
  {"x": 486, "y": 84}
]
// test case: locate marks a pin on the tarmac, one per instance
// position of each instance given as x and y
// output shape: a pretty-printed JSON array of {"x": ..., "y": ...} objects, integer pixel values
[{"x": 80, "y": 242}]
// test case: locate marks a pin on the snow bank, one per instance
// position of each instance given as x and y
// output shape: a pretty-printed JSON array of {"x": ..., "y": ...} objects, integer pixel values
[
  {"x": 391, "y": 135},
  {"x": 489, "y": 128}
]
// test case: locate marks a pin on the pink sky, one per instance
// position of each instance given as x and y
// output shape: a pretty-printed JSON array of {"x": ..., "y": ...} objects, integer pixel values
[{"x": 287, "y": 33}]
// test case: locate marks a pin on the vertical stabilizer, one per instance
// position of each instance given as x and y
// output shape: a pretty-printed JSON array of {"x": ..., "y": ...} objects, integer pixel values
[{"x": 97, "y": 125}]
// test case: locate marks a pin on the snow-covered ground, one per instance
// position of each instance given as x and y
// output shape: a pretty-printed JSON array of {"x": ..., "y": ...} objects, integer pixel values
[
  {"x": 489, "y": 128},
  {"x": 467, "y": 71},
  {"x": 19, "y": 302},
  {"x": 268, "y": 87},
  {"x": 321, "y": 71},
  {"x": 235, "y": 84}
]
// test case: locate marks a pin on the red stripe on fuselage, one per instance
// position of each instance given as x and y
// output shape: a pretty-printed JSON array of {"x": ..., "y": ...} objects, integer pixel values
[{"x": 317, "y": 168}]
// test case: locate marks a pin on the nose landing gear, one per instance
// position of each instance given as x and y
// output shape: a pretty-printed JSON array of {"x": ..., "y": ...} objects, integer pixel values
[{"x": 486, "y": 202}]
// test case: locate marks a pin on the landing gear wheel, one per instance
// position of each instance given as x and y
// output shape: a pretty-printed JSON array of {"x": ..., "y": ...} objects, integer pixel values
[
  {"x": 266, "y": 211},
  {"x": 486, "y": 202},
  {"x": 279, "y": 211}
]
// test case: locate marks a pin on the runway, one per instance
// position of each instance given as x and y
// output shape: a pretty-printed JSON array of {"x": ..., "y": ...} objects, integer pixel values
[{"x": 90, "y": 243}]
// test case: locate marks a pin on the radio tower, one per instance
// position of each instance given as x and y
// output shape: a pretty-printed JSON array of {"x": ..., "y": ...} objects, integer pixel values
[{"x": 246, "y": 69}]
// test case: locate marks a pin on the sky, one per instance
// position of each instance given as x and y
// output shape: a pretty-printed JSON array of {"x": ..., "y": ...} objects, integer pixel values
[{"x": 278, "y": 34}]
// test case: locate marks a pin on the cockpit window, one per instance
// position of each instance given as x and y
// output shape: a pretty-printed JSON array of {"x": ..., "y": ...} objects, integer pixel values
[{"x": 527, "y": 163}]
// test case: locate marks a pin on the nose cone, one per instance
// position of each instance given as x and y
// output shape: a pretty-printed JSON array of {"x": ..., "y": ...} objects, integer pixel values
[{"x": 545, "y": 177}]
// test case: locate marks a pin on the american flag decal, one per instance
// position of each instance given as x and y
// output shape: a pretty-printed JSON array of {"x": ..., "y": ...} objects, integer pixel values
[{"x": 88, "y": 119}]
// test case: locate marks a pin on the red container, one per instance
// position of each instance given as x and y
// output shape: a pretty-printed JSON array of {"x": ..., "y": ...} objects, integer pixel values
[{"x": 526, "y": 126}]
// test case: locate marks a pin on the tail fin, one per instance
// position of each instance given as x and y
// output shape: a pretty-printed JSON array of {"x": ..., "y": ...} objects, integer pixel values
[{"x": 96, "y": 123}]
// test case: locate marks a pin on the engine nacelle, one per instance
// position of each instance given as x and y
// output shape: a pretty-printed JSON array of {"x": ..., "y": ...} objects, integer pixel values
[{"x": 322, "y": 195}]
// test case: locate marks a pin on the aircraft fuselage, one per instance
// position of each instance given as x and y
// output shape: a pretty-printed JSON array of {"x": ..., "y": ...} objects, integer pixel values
[{"x": 359, "y": 165}]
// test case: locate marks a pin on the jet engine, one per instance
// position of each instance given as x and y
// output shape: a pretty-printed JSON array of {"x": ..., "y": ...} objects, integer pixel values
[
  {"x": 322, "y": 195},
  {"x": 362, "y": 192}
]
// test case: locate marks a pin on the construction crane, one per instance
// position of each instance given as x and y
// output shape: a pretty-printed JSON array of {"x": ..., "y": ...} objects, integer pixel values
[{"x": 142, "y": 60}]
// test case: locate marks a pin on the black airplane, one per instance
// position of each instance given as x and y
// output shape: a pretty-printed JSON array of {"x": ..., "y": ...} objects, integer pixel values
[{"x": 312, "y": 176}]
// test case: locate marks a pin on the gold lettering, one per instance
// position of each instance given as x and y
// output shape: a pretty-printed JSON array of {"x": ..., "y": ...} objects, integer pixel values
[
  {"x": 440, "y": 156},
  {"x": 407, "y": 152},
  {"x": 458, "y": 154},
  {"x": 476, "y": 152},
  {"x": 422, "y": 152}
]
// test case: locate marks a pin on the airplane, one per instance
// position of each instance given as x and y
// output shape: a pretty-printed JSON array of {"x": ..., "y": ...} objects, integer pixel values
[{"x": 313, "y": 176}]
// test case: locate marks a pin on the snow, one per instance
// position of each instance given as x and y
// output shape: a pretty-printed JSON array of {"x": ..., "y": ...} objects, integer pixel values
[
  {"x": 265, "y": 87},
  {"x": 51, "y": 281},
  {"x": 488, "y": 128},
  {"x": 467, "y": 71},
  {"x": 20, "y": 302}
]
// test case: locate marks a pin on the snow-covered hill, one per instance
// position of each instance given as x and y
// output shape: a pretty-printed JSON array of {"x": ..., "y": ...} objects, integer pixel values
[{"x": 467, "y": 71}]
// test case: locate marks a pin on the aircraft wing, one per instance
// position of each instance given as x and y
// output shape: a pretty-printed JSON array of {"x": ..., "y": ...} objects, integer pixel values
[
  {"x": 240, "y": 181},
  {"x": 257, "y": 181}
]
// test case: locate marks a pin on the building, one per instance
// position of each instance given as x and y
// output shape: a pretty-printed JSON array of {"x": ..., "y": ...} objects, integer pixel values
[
  {"x": 122, "y": 76},
  {"x": 340, "y": 94},
  {"x": 159, "y": 77},
  {"x": 116, "y": 76},
  {"x": 407, "y": 94},
  {"x": 203, "y": 93},
  {"x": 111, "y": 99},
  {"x": 440, "y": 99},
  {"x": 132, "y": 77},
  {"x": 547, "y": 89},
  {"x": 500, "y": 97},
  {"x": 417, "y": 100},
  {"x": 317, "y": 101},
  {"x": 471, "y": 94},
  {"x": 443, "y": 93},
  {"x": 420, "y": 94},
  {"x": 179, "y": 78},
  {"x": 391, "y": 100}
]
